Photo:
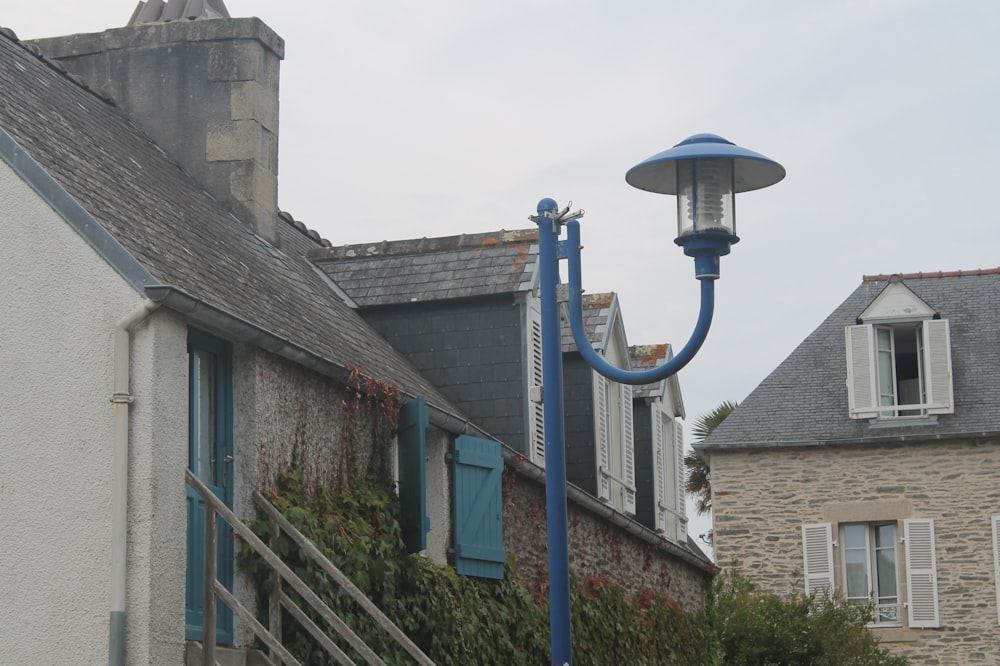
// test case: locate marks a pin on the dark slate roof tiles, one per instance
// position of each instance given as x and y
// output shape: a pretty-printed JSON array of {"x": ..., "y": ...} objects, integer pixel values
[
  {"x": 804, "y": 400},
  {"x": 429, "y": 269},
  {"x": 647, "y": 357},
  {"x": 598, "y": 314},
  {"x": 182, "y": 235}
]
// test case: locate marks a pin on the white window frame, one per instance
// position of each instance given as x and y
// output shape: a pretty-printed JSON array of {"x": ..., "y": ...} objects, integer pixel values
[
  {"x": 919, "y": 568},
  {"x": 533, "y": 377},
  {"x": 614, "y": 435},
  {"x": 864, "y": 388},
  {"x": 669, "y": 495},
  {"x": 886, "y": 613}
]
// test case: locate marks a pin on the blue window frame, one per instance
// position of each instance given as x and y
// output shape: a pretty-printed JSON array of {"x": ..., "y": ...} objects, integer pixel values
[{"x": 210, "y": 457}]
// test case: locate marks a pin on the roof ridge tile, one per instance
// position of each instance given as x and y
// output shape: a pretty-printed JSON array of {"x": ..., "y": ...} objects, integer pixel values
[
  {"x": 299, "y": 226},
  {"x": 433, "y": 245},
  {"x": 885, "y": 277}
]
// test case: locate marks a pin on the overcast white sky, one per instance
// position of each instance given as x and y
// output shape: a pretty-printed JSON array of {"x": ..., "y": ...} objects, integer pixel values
[{"x": 406, "y": 119}]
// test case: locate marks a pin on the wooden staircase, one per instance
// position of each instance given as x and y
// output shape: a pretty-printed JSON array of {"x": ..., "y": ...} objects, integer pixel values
[
  {"x": 209, "y": 654},
  {"x": 225, "y": 656}
]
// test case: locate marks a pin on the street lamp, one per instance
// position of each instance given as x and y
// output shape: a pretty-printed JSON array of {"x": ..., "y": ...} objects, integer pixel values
[{"x": 705, "y": 172}]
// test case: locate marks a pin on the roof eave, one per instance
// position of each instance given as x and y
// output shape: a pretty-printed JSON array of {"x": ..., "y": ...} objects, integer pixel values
[
  {"x": 709, "y": 447},
  {"x": 68, "y": 208}
]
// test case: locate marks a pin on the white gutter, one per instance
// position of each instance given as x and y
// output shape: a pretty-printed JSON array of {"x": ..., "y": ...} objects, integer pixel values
[{"x": 121, "y": 399}]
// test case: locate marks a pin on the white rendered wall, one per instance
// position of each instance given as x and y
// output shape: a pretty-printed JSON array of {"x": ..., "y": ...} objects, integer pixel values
[
  {"x": 438, "y": 495},
  {"x": 58, "y": 308},
  {"x": 157, "y": 516}
]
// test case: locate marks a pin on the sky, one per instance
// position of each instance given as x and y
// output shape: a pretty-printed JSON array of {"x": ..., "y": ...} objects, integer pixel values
[{"x": 403, "y": 120}]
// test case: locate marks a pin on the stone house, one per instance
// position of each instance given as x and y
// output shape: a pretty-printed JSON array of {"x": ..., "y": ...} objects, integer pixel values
[
  {"x": 158, "y": 299},
  {"x": 465, "y": 311},
  {"x": 865, "y": 465}
]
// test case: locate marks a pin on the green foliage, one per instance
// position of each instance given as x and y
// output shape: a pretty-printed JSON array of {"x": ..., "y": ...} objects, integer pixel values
[
  {"x": 609, "y": 627},
  {"x": 706, "y": 424},
  {"x": 699, "y": 475},
  {"x": 755, "y": 628},
  {"x": 458, "y": 620}
]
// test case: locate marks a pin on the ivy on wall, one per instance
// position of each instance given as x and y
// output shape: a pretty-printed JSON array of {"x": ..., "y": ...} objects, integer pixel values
[{"x": 456, "y": 619}]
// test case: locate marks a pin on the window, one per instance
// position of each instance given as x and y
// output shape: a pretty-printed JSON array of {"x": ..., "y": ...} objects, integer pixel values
[
  {"x": 871, "y": 570},
  {"x": 478, "y": 502},
  {"x": 534, "y": 406},
  {"x": 899, "y": 369},
  {"x": 412, "y": 451},
  {"x": 870, "y": 575},
  {"x": 668, "y": 475},
  {"x": 615, "y": 443},
  {"x": 899, "y": 358},
  {"x": 210, "y": 458}
]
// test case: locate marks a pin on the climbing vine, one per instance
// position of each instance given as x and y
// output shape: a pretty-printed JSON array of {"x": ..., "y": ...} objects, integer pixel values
[
  {"x": 370, "y": 419},
  {"x": 457, "y": 619}
]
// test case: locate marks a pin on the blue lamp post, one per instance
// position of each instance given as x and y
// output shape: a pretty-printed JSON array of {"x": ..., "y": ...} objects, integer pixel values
[{"x": 705, "y": 172}]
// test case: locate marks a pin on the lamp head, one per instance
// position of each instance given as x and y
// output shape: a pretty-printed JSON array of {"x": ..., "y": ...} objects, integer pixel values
[{"x": 705, "y": 172}]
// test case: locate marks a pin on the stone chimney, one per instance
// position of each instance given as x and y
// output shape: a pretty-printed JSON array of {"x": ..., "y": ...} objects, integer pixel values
[{"x": 203, "y": 86}]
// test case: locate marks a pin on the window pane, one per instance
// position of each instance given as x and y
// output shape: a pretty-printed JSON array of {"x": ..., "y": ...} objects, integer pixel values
[
  {"x": 857, "y": 574},
  {"x": 855, "y": 542},
  {"x": 206, "y": 414},
  {"x": 885, "y": 562},
  {"x": 886, "y": 384},
  {"x": 854, "y": 536},
  {"x": 885, "y": 536}
]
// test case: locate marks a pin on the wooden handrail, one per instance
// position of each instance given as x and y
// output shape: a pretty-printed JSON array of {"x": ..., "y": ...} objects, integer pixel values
[
  {"x": 310, "y": 549},
  {"x": 215, "y": 507}
]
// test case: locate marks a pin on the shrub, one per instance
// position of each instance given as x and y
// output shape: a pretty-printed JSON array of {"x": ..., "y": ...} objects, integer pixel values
[{"x": 757, "y": 628}]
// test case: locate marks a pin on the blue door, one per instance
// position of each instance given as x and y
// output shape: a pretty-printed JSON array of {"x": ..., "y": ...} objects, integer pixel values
[{"x": 210, "y": 458}]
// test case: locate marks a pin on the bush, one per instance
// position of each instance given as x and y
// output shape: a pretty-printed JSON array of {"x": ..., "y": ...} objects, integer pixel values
[{"x": 756, "y": 628}]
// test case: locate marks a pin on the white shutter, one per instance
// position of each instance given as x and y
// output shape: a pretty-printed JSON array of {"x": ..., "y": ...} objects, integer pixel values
[
  {"x": 536, "y": 409},
  {"x": 659, "y": 469},
  {"x": 921, "y": 573},
  {"x": 937, "y": 366},
  {"x": 996, "y": 561},
  {"x": 601, "y": 434},
  {"x": 862, "y": 394},
  {"x": 680, "y": 480},
  {"x": 628, "y": 448},
  {"x": 817, "y": 554}
]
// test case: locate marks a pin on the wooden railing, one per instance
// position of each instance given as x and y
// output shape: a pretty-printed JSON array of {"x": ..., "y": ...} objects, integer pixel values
[{"x": 282, "y": 575}]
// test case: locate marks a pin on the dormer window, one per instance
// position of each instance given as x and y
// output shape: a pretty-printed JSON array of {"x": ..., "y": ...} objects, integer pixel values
[{"x": 899, "y": 358}]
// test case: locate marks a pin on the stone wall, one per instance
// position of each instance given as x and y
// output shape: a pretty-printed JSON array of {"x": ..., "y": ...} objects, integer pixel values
[
  {"x": 761, "y": 498},
  {"x": 597, "y": 548}
]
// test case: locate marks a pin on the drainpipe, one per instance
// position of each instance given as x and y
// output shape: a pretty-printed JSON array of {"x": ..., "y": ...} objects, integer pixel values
[{"x": 121, "y": 399}]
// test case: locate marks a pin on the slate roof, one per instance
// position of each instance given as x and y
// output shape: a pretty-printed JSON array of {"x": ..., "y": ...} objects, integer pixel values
[
  {"x": 177, "y": 232},
  {"x": 432, "y": 269},
  {"x": 647, "y": 357},
  {"x": 599, "y": 313},
  {"x": 804, "y": 400}
]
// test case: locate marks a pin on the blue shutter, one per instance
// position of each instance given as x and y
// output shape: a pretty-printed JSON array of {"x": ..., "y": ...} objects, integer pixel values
[
  {"x": 413, "y": 474},
  {"x": 478, "y": 508}
]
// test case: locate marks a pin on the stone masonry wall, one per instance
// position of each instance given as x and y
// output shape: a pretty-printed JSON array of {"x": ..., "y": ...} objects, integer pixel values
[
  {"x": 761, "y": 498},
  {"x": 597, "y": 548}
]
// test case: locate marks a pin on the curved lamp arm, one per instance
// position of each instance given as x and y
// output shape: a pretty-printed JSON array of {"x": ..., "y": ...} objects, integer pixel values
[{"x": 595, "y": 361}]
